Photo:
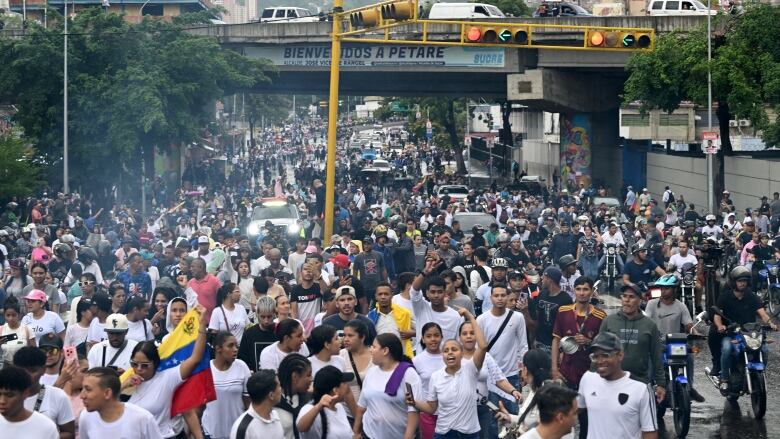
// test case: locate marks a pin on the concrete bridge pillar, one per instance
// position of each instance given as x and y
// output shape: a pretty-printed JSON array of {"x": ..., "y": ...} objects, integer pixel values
[{"x": 558, "y": 91}]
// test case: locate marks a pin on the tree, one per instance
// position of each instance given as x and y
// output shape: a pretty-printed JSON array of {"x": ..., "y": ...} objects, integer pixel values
[
  {"x": 19, "y": 174},
  {"x": 448, "y": 118},
  {"x": 745, "y": 71},
  {"x": 133, "y": 87},
  {"x": 274, "y": 108}
]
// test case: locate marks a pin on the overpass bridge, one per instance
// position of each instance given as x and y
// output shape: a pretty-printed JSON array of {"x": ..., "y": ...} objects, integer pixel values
[{"x": 579, "y": 80}]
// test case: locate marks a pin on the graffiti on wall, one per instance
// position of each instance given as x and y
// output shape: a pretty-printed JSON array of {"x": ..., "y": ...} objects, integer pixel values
[{"x": 575, "y": 149}]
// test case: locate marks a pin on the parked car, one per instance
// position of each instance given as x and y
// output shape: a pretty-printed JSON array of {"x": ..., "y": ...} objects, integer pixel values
[
  {"x": 287, "y": 14},
  {"x": 560, "y": 9},
  {"x": 678, "y": 7},
  {"x": 459, "y": 11}
]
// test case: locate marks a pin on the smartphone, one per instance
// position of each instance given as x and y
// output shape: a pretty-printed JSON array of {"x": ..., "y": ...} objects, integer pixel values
[
  {"x": 7, "y": 338},
  {"x": 409, "y": 390},
  {"x": 494, "y": 408},
  {"x": 70, "y": 354}
]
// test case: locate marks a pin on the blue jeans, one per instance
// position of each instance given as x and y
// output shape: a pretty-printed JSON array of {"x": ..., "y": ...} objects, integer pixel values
[
  {"x": 590, "y": 266},
  {"x": 511, "y": 405},
  {"x": 452, "y": 434},
  {"x": 618, "y": 261},
  {"x": 486, "y": 417},
  {"x": 727, "y": 355}
]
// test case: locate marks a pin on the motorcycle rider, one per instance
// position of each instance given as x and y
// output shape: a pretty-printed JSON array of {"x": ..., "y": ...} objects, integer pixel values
[
  {"x": 678, "y": 260},
  {"x": 564, "y": 243},
  {"x": 671, "y": 316},
  {"x": 640, "y": 269},
  {"x": 711, "y": 229},
  {"x": 739, "y": 305},
  {"x": 613, "y": 236}
]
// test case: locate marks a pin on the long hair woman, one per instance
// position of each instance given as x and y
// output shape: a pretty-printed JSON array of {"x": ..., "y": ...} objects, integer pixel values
[
  {"x": 13, "y": 325},
  {"x": 295, "y": 380},
  {"x": 324, "y": 345},
  {"x": 154, "y": 390},
  {"x": 324, "y": 417},
  {"x": 426, "y": 363},
  {"x": 356, "y": 355},
  {"x": 450, "y": 392},
  {"x": 290, "y": 335},
  {"x": 382, "y": 411},
  {"x": 229, "y": 316},
  {"x": 230, "y": 377}
]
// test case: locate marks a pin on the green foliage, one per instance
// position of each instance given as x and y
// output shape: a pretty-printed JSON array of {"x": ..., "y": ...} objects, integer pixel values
[
  {"x": 745, "y": 70},
  {"x": 131, "y": 87},
  {"x": 19, "y": 175}
]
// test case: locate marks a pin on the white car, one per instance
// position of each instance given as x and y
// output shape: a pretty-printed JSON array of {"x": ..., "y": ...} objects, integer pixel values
[
  {"x": 382, "y": 165},
  {"x": 457, "y": 192},
  {"x": 287, "y": 14},
  {"x": 283, "y": 215},
  {"x": 678, "y": 7}
]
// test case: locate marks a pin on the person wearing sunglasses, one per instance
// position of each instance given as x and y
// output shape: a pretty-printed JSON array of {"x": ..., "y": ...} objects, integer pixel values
[
  {"x": 617, "y": 405},
  {"x": 87, "y": 285}
]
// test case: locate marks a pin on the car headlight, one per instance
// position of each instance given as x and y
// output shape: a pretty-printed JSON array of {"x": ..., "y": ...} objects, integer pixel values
[
  {"x": 753, "y": 340},
  {"x": 253, "y": 229},
  {"x": 293, "y": 229},
  {"x": 678, "y": 350}
]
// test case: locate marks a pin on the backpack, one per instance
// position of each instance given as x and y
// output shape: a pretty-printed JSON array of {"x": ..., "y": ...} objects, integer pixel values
[{"x": 671, "y": 196}]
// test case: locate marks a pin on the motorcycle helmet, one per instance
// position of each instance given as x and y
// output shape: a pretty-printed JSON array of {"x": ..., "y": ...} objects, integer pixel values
[
  {"x": 636, "y": 248},
  {"x": 478, "y": 229},
  {"x": 532, "y": 276},
  {"x": 62, "y": 250},
  {"x": 566, "y": 260},
  {"x": 499, "y": 263},
  {"x": 582, "y": 218},
  {"x": 380, "y": 230},
  {"x": 740, "y": 272},
  {"x": 710, "y": 217},
  {"x": 502, "y": 238},
  {"x": 667, "y": 280},
  {"x": 87, "y": 255},
  {"x": 521, "y": 223}
]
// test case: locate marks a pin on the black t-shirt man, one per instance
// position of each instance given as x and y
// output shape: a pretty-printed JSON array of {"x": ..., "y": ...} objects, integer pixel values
[
  {"x": 544, "y": 309},
  {"x": 640, "y": 272},
  {"x": 739, "y": 310},
  {"x": 253, "y": 342}
]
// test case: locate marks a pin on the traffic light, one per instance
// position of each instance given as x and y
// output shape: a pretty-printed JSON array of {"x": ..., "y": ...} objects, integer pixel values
[
  {"x": 488, "y": 34},
  {"x": 365, "y": 18},
  {"x": 399, "y": 11},
  {"x": 615, "y": 39}
]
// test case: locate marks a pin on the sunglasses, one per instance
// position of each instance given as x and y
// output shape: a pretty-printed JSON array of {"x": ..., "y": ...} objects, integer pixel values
[
  {"x": 86, "y": 282},
  {"x": 140, "y": 364},
  {"x": 601, "y": 356},
  {"x": 51, "y": 351}
]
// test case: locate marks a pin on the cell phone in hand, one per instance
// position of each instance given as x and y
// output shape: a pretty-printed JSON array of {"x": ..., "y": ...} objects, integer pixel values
[
  {"x": 494, "y": 408},
  {"x": 8, "y": 337},
  {"x": 70, "y": 354},
  {"x": 409, "y": 390}
]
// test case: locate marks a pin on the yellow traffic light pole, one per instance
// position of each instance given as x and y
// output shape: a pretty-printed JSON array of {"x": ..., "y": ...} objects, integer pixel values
[
  {"x": 333, "y": 114},
  {"x": 392, "y": 14}
]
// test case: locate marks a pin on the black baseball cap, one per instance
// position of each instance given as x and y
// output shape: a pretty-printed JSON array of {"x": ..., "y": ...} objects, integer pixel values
[{"x": 606, "y": 341}]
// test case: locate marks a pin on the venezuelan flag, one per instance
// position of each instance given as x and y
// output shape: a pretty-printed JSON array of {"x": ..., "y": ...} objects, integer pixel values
[{"x": 198, "y": 389}]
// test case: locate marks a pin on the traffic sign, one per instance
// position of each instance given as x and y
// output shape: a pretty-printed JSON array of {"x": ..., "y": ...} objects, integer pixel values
[
  {"x": 505, "y": 35},
  {"x": 628, "y": 40}
]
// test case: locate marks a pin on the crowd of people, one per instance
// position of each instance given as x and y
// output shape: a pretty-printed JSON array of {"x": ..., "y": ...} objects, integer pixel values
[{"x": 399, "y": 325}]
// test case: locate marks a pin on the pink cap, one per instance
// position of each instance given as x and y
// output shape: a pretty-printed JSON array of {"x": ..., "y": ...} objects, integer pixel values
[
  {"x": 36, "y": 295},
  {"x": 311, "y": 249}
]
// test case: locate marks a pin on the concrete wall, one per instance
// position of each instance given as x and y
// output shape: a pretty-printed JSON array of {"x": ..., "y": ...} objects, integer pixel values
[
  {"x": 684, "y": 175},
  {"x": 749, "y": 179},
  {"x": 606, "y": 159}
]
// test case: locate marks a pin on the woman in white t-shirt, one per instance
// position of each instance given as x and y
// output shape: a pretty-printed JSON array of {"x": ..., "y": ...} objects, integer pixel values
[
  {"x": 324, "y": 417},
  {"x": 450, "y": 392},
  {"x": 382, "y": 411},
  {"x": 38, "y": 319},
  {"x": 24, "y": 335},
  {"x": 154, "y": 390},
  {"x": 290, "y": 334},
  {"x": 295, "y": 379},
  {"x": 324, "y": 345},
  {"x": 77, "y": 333},
  {"x": 246, "y": 283},
  {"x": 356, "y": 355},
  {"x": 426, "y": 363},
  {"x": 230, "y": 378},
  {"x": 229, "y": 316}
]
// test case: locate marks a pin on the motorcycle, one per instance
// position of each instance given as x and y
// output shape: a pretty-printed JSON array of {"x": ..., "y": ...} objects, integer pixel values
[
  {"x": 747, "y": 375},
  {"x": 770, "y": 290},
  {"x": 687, "y": 286},
  {"x": 678, "y": 399},
  {"x": 610, "y": 266}
]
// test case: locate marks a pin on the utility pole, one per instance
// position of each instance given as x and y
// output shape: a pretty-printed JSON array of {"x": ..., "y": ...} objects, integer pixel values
[
  {"x": 710, "y": 157},
  {"x": 65, "y": 170}
]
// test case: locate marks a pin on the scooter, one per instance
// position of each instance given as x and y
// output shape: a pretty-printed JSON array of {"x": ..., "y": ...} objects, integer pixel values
[
  {"x": 687, "y": 286},
  {"x": 770, "y": 291},
  {"x": 747, "y": 375}
]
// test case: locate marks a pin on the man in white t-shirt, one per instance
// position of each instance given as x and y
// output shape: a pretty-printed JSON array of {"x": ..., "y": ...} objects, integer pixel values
[
  {"x": 436, "y": 310},
  {"x": 16, "y": 420},
  {"x": 116, "y": 350},
  {"x": 678, "y": 261},
  {"x": 105, "y": 416},
  {"x": 49, "y": 401},
  {"x": 617, "y": 405},
  {"x": 260, "y": 421}
]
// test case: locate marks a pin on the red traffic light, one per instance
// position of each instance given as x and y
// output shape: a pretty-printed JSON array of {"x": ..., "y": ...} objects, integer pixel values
[{"x": 474, "y": 34}]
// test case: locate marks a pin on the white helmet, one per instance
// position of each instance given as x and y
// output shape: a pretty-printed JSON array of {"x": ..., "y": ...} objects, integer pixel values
[{"x": 710, "y": 217}]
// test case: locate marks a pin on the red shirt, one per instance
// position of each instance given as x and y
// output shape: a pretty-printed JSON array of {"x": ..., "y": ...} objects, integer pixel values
[
  {"x": 567, "y": 323},
  {"x": 206, "y": 289}
]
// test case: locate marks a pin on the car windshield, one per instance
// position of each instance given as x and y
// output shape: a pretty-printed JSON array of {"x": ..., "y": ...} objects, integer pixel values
[
  {"x": 457, "y": 190},
  {"x": 606, "y": 200},
  {"x": 268, "y": 13},
  {"x": 467, "y": 222},
  {"x": 273, "y": 212},
  {"x": 580, "y": 10},
  {"x": 699, "y": 5}
]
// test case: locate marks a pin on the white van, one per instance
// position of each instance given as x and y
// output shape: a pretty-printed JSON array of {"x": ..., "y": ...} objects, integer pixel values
[
  {"x": 459, "y": 11},
  {"x": 678, "y": 7}
]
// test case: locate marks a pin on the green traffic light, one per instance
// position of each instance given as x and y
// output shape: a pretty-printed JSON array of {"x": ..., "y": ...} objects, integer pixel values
[
  {"x": 505, "y": 35},
  {"x": 629, "y": 40}
]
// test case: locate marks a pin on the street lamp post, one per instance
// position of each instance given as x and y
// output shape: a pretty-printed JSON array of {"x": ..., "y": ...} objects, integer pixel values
[
  {"x": 65, "y": 185},
  {"x": 333, "y": 114},
  {"x": 710, "y": 158}
]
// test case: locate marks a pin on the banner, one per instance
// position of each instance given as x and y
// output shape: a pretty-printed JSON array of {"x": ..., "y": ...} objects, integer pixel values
[
  {"x": 384, "y": 55},
  {"x": 575, "y": 150}
]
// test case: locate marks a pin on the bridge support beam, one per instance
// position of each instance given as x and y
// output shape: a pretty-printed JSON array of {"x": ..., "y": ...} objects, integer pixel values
[{"x": 560, "y": 91}]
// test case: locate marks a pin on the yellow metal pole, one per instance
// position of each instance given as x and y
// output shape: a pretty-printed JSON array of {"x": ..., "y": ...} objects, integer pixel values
[{"x": 333, "y": 115}]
